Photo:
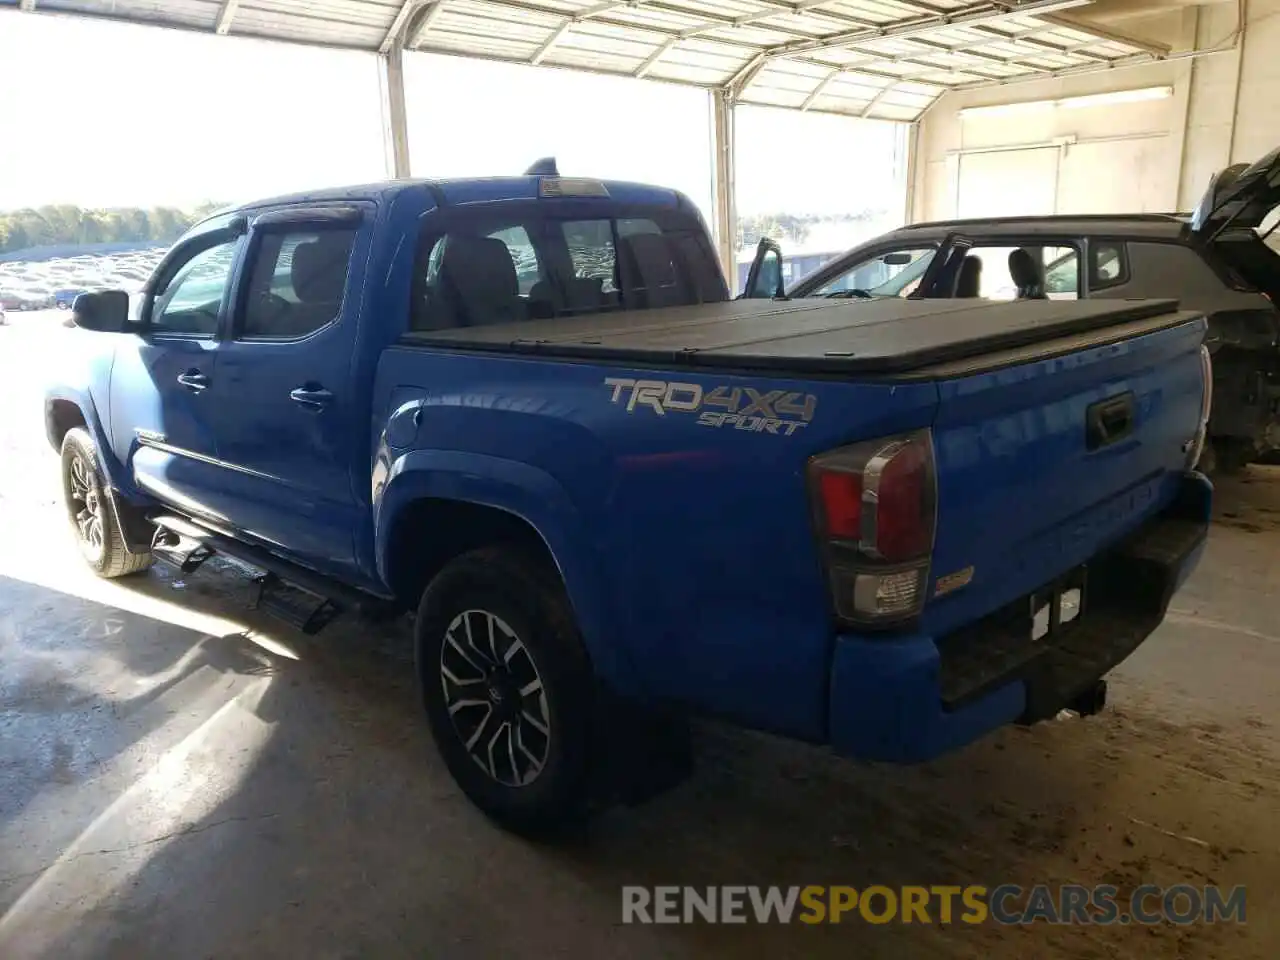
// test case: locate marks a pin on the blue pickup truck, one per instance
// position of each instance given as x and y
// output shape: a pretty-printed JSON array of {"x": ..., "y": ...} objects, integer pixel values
[{"x": 526, "y": 410}]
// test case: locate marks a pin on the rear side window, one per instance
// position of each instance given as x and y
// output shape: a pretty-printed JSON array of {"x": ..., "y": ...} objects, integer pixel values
[
  {"x": 525, "y": 270},
  {"x": 1108, "y": 265},
  {"x": 296, "y": 283}
]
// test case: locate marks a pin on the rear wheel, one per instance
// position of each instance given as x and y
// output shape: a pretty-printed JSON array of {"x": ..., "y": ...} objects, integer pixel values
[
  {"x": 508, "y": 688},
  {"x": 92, "y": 511}
]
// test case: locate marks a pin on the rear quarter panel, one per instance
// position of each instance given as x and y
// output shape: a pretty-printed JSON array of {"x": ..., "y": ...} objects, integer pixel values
[{"x": 687, "y": 548}]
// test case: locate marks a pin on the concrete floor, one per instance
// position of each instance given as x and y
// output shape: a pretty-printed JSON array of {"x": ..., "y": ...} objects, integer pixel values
[{"x": 179, "y": 778}]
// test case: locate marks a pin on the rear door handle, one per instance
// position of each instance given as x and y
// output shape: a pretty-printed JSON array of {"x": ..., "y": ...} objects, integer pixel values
[
  {"x": 193, "y": 379},
  {"x": 313, "y": 397}
]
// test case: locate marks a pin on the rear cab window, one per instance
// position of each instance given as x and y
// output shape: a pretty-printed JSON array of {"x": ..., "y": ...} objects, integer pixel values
[{"x": 534, "y": 263}]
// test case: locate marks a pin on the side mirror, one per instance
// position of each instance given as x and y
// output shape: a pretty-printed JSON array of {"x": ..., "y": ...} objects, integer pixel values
[
  {"x": 764, "y": 279},
  {"x": 105, "y": 312}
]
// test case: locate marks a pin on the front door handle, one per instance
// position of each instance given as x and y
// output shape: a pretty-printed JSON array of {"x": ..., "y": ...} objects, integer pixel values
[
  {"x": 312, "y": 396},
  {"x": 193, "y": 379}
]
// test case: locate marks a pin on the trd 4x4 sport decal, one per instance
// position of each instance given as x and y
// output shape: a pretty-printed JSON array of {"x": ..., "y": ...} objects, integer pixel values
[{"x": 742, "y": 408}]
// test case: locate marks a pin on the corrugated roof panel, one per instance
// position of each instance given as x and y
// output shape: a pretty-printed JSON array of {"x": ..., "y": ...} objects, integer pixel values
[
  {"x": 445, "y": 41},
  {"x": 330, "y": 11},
  {"x": 871, "y": 12},
  {"x": 601, "y": 40},
  {"x": 811, "y": 23},
  {"x": 665, "y": 20},
  {"x": 700, "y": 42},
  {"x": 584, "y": 59},
  {"x": 753, "y": 34},
  {"x": 725, "y": 9},
  {"x": 889, "y": 111},
  {"x": 686, "y": 73},
  {"x": 795, "y": 68},
  {"x": 773, "y": 97},
  {"x": 275, "y": 24},
  {"x": 479, "y": 10},
  {"x": 722, "y": 66},
  {"x": 186, "y": 13},
  {"x": 498, "y": 29}
]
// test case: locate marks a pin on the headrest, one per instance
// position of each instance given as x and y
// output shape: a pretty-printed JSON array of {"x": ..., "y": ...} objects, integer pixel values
[
  {"x": 1027, "y": 273},
  {"x": 1025, "y": 270},
  {"x": 647, "y": 258},
  {"x": 479, "y": 269},
  {"x": 319, "y": 271},
  {"x": 969, "y": 282}
]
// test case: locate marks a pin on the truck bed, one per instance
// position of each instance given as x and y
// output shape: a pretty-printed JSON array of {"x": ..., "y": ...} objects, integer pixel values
[{"x": 886, "y": 337}]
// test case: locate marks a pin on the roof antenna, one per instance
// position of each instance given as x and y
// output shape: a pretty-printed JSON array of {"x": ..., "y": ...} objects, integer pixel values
[{"x": 546, "y": 167}]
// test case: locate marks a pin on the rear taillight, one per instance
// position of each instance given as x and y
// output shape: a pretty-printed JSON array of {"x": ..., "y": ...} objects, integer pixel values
[
  {"x": 1196, "y": 446},
  {"x": 875, "y": 506}
]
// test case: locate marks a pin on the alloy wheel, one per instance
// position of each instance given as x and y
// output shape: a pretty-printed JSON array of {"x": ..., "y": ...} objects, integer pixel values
[
  {"x": 495, "y": 697},
  {"x": 86, "y": 503}
]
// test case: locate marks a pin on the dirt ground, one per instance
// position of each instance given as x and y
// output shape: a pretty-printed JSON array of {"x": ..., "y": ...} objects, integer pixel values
[{"x": 179, "y": 778}]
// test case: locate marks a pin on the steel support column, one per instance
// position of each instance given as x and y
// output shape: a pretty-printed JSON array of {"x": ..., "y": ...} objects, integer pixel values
[
  {"x": 395, "y": 118},
  {"x": 726, "y": 218}
]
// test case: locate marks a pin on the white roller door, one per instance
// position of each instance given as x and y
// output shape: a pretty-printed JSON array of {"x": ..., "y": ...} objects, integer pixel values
[
  {"x": 1114, "y": 176},
  {"x": 1007, "y": 183},
  {"x": 1120, "y": 175}
]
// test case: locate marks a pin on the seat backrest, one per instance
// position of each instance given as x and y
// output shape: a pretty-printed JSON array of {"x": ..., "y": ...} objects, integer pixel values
[
  {"x": 1027, "y": 273},
  {"x": 647, "y": 272},
  {"x": 318, "y": 276},
  {"x": 969, "y": 282},
  {"x": 478, "y": 281},
  {"x": 581, "y": 295}
]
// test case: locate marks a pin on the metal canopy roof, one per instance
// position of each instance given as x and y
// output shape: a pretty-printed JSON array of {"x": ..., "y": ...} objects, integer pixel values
[{"x": 887, "y": 59}]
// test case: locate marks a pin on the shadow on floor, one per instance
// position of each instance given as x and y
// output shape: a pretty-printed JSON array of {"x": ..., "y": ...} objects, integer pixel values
[{"x": 293, "y": 806}]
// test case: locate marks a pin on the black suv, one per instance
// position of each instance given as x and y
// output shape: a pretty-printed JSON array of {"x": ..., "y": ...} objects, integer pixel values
[{"x": 1221, "y": 259}]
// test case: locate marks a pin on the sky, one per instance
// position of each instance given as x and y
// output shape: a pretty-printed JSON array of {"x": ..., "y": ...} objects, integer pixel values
[{"x": 119, "y": 115}]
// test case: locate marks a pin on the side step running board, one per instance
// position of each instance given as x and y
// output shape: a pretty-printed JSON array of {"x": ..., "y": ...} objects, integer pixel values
[{"x": 298, "y": 596}]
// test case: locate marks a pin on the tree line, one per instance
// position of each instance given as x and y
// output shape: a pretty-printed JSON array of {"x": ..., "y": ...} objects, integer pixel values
[
  {"x": 67, "y": 224},
  {"x": 788, "y": 227}
]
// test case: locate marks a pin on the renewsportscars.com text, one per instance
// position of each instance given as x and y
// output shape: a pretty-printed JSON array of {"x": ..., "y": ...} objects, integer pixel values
[{"x": 1005, "y": 904}]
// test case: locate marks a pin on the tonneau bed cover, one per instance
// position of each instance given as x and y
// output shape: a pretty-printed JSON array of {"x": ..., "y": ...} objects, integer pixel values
[{"x": 888, "y": 336}]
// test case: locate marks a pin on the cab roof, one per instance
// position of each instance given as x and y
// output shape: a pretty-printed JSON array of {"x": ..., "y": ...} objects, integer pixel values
[
  {"x": 1153, "y": 225},
  {"x": 453, "y": 192}
]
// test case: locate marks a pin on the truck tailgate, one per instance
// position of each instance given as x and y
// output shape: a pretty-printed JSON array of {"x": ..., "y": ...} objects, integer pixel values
[{"x": 1044, "y": 460}]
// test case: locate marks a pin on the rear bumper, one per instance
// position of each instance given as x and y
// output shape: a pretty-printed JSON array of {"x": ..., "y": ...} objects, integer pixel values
[{"x": 914, "y": 698}]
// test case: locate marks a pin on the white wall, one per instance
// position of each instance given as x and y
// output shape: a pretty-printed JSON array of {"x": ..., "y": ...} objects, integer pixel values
[{"x": 1153, "y": 156}]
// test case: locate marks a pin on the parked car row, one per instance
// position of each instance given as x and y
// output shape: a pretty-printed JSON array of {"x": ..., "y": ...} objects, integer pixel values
[
  {"x": 21, "y": 300},
  {"x": 1221, "y": 260}
]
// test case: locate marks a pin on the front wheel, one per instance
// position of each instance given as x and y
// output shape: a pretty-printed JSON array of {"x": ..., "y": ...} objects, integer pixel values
[
  {"x": 92, "y": 512},
  {"x": 508, "y": 688}
]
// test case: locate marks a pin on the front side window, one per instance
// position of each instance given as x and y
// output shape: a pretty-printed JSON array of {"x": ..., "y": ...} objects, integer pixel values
[
  {"x": 1027, "y": 271},
  {"x": 894, "y": 273},
  {"x": 297, "y": 283},
  {"x": 191, "y": 302}
]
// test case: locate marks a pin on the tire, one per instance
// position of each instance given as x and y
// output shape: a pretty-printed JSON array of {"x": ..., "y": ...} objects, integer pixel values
[
  {"x": 92, "y": 511},
  {"x": 531, "y": 776}
]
